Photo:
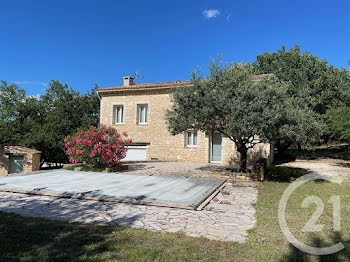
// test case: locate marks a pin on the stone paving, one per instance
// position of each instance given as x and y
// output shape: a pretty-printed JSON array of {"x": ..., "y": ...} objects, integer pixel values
[
  {"x": 176, "y": 169},
  {"x": 227, "y": 219}
]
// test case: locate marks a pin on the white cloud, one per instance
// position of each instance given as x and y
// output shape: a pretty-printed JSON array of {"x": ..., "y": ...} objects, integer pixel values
[
  {"x": 44, "y": 84},
  {"x": 37, "y": 96},
  {"x": 210, "y": 13}
]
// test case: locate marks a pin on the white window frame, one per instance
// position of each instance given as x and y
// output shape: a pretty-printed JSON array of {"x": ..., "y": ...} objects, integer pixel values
[
  {"x": 191, "y": 139},
  {"x": 142, "y": 119},
  {"x": 116, "y": 107}
]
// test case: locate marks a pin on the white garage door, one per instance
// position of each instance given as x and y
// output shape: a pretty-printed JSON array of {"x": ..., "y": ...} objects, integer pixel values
[{"x": 135, "y": 153}]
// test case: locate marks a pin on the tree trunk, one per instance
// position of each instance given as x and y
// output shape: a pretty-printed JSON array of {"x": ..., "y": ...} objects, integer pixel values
[
  {"x": 282, "y": 147},
  {"x": 244, "y": 161},
  {"x": 299, "y": 147},
  {"x": 243, "y": 151}
]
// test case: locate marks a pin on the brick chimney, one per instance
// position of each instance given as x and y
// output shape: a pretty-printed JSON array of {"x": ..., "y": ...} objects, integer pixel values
[{"x": 128, "y": 81}]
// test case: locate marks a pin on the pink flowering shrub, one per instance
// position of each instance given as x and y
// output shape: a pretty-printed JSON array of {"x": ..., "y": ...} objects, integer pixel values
[{"x": 98, "y": 147}]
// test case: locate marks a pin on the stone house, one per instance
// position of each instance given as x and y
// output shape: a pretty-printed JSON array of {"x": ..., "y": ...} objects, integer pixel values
[
  {"x": 18, "y": 159},
  {"x": 139, "y": 109}
]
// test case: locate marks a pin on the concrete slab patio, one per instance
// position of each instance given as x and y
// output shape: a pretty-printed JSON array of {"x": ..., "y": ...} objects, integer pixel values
[
  {"x": 217, "y": 221},
  {"x": 228, "y": 219},
  {"x": 154, "y": 190}
]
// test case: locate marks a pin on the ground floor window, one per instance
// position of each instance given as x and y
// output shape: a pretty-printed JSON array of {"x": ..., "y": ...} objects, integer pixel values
[{"x": 191, "y": 138}]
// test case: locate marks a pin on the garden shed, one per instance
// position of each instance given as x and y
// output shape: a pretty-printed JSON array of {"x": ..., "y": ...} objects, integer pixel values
[{"x": 18, "y": 159}]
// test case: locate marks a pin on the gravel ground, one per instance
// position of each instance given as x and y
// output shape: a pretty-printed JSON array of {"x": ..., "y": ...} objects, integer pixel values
[{"x": 326, "y": 167}]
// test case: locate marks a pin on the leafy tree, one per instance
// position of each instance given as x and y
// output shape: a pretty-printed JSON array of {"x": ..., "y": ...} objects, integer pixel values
[
  {"x": 295, "y": 123},
  {"x": 241, "y": 106},
  {"x": 339, "y": 123},
  {"x": 11, "y": 103},
  {"x": 43, "y": 123},
  {"x": 67, "y": 111},
  {"x": 312, "y": 80},
  {"x": 31, "y": 121},
  {"x": 321, "y": 85}
]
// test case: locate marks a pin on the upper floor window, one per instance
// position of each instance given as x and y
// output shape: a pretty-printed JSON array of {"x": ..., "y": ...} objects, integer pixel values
[
  {"x": 191, "y": 138},
  {"x": 142, "y": 114},
  {"x": 118, "y": 114}
]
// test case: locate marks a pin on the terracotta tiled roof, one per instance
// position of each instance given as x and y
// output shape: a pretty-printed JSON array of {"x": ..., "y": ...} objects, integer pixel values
[
  {"x": 160, "y": 85},
  {"x": 146, "y": 86},
  {"x": 23, "y": 149}
]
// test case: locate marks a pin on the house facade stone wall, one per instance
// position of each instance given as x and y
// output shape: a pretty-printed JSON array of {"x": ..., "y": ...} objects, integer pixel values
[{"x": 162, "y": 145}]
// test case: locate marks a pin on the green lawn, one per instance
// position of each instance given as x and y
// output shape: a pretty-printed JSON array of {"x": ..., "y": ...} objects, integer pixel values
[{"x": 28, "y": 239}]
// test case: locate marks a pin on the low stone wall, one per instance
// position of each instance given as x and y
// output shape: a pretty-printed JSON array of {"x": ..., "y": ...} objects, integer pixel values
[{"x": 260, "y": 150}]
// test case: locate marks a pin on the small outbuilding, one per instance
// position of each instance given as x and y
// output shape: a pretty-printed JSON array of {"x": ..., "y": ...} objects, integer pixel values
[{"x": 18, "y": 159}]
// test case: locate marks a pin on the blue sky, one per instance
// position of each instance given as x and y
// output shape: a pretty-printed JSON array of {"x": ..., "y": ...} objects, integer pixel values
[{"x": 86, "y": 42}]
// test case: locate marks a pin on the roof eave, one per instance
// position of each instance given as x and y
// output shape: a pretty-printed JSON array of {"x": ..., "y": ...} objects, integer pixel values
[{"x": 130, "y": 89}]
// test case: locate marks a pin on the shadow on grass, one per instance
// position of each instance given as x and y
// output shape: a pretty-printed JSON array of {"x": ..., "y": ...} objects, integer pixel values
[
  {"x": 296, "y": 255},
  {"x": 28, "y": 239},
  {"x": 283, "y": 158},
  {"x": 284, "y": 174}
]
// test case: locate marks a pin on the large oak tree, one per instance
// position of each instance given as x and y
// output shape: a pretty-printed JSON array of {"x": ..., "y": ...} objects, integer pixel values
[{"x": 319, "y": 85}]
